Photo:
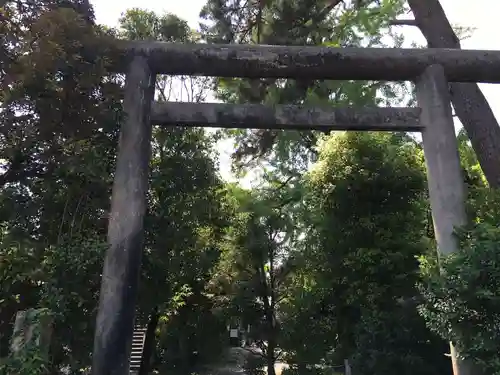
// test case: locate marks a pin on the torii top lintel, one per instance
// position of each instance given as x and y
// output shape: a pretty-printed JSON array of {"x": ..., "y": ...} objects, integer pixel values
[{"x": 308, "y": 62}]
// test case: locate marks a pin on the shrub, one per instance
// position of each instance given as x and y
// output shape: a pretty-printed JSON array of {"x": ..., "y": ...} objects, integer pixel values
[{"x": 462, "y": 293}]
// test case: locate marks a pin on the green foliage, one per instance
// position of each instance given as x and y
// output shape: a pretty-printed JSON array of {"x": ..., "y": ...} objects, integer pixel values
[
  {"x": 31, "y": 359},
  {"x": 190, "y": 336},
  {"x": 289, "y": 22},
  {"x": 397, "y": 341},
  {"x": 461, "y": 292},
  {"x": 327, "y": 255},
  {"x": 367, "y": 191},
  {"x": 303, "y": 318},
  {"x": 366, "y": 214},
  {"x": 72, "y": 273},
  {"x": 359, "y": 218},
  {"x": 186, "y": 215},
  {"x": 251, "y": 276},
  {"x": 472, "y": 170},
  {"x": 139, "y": 24},
  {"x": 60, "y": 119}
]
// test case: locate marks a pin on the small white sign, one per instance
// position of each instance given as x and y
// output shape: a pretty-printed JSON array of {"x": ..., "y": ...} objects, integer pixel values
[{"x": 233, "y": 333}]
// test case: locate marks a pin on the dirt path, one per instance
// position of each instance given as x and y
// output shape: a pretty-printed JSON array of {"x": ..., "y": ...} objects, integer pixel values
[{"x": 233, "y": 363}]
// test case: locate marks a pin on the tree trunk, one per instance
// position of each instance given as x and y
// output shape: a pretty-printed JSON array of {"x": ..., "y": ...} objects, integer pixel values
[
  {"x": 469, "y": 102},
  {"x": 270, "y": 333},
  {"x": 270, "y": 336},
  {"x": 149, "y": 343},
  {"x": 270, "y": 360}
]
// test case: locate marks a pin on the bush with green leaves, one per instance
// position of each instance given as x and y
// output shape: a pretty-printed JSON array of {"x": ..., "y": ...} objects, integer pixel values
[
  {"x": 30, "y": 362},
  {"x": 462, "y": 292},
  {"x": 31, "y": 359},
  {"x": 396, "y": 341}
]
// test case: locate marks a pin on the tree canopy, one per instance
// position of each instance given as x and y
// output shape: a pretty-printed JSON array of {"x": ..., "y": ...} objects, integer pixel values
[{"x": 328, "y": 258}]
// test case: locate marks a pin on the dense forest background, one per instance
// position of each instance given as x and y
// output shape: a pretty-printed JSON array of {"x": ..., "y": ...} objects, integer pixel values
[{"x": 329, "y": 256}]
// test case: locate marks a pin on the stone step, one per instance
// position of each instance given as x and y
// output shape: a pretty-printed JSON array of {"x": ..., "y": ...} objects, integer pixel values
[{"x": 138, "y": 338}]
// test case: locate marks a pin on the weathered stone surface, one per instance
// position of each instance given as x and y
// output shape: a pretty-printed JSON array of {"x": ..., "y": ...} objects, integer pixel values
[
  {"x": 470, "y": 104},
  {"x": 446, "y": 183},
  {"x": 120, "y": 278},
  {"x": 291, "y": 117},
  {"x": 32, "y": 327},
  {"x": 307, "y": 62},
  {"x": 444, "y": 173}
]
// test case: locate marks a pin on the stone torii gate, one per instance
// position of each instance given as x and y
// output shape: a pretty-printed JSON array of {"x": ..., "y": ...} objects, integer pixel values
[{"x": 430, "y": 69}]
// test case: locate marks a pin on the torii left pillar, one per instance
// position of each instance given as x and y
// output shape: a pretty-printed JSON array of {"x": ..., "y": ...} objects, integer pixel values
[{"x": 120, "y": 276}]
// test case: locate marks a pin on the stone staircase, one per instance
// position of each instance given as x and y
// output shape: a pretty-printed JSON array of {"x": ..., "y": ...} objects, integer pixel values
[{"x": 138, "y": 339}]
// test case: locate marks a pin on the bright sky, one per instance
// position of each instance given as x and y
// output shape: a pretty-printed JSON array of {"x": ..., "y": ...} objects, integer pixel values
[{"x": 483, "y": 16}]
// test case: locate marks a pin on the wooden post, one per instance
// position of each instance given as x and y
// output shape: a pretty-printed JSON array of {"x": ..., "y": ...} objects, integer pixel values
[
  {"x": 120, "y": 277},
  {"x": 444, "y": 174},
  {"x": 32, "y": 328}
]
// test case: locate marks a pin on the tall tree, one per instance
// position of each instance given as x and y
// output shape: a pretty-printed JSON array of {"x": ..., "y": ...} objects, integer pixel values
[
  {"x": 296, "y": 23},
  {"x": 60, "y": 117},
  {"x": 367, "y": 225},
  {"x": 254, "y": 267},
  {"x": 469, "y": 103}
]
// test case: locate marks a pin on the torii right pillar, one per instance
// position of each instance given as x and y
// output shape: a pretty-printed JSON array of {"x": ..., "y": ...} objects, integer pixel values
[{"x": 444, "y": 173}]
